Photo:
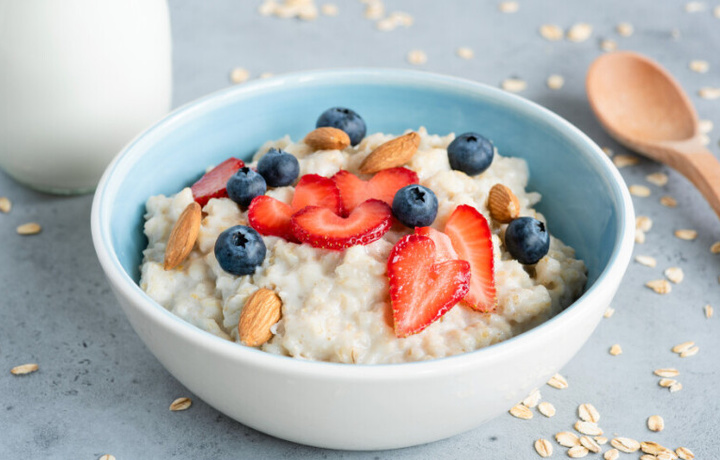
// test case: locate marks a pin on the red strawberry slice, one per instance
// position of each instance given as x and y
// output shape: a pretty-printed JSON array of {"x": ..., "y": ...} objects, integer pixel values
[
  {"x": 271, "y": 217},
  {"x": 421, "y": 289},
  {"x": 470, "y": 235},
  {"x": 322, "y": 228},
  {"x": 382, "y": 186},
  {"x": 314, "y": 190},
  {"x": 443, "y": 245},
  {"x": 212, "y": 184}
]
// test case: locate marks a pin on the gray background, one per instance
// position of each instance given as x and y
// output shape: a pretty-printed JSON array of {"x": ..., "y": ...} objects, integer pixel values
[{"x": 100, "y": 391}]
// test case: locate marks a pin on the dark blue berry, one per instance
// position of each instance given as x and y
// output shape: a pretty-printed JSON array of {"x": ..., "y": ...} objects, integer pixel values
[
  {"x": 279, "y": 168},
  {"x": 470, "y": 153},
  {"x": 245, "y": 185},
  {"x": 415, "y": 206},
  {"x": 239, "y": 250},
  {"x": 527, "y": 240},
  {"x": 346, "y": 120}
]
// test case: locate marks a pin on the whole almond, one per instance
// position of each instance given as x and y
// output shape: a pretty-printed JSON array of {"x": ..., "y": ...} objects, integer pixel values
[
  {"x": 261, "y": 311},
  {"x": 503, "y": 204},
  {"x": 327, "y": 138},
  {"x": 391, "y": 154},
  {"x": 183, "y": 236}
]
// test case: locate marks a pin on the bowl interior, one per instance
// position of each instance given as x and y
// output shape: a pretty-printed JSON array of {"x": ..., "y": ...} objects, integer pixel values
[{"x": 581, "y": 199}]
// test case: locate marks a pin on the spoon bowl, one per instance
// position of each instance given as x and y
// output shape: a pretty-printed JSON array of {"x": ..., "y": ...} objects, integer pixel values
[{"x": 644, "y": 108}]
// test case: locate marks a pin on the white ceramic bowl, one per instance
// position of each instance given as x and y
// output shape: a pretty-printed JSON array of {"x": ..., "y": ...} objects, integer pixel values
[{"x": 360, "y": 406}]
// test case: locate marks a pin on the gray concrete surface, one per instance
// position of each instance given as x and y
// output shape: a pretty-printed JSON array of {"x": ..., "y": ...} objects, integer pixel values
[{"x": 99, "y": 390}]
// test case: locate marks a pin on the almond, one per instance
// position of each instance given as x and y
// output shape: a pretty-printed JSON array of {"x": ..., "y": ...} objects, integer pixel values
[
  {"x": 391, "y": 154},
  {"x": 503, "y": 204},
  {"x": 327, "y": 138},
  {"x": 183, "y": 236},
  {"x": 261, "y": 311}
]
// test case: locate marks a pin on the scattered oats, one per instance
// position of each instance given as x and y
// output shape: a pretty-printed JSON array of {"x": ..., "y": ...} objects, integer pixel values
[
  {"x": 669, "y": 455},
  {"x": 709, "y": 92},
  {"x": 643, "y": 223},
  {"x": 374, "y": 10},
  {"x": 666, "y": 383},
  {"x": 646, "y": 260},
  {"x": 180, "y": 404},
  {"x": 514, "y": 85},
  {"x": 588, "y": 413},
  {"x": 674, "y": 274},
  {"x": 601, "y": 440},
  {"x": 639, "y": 190},
  {"x": 659, "y": 286},
  {"x": 558, "y": 381},
  {"x": 639, "y": 236},
  {"x": 329, "y": 9},
  {"x": 705, "y": 126},
  {"x": 626, "y": 445},
  {"x": 521, "y": 411},
  {"x": 657, "y": 178},
  {"x": 625, "y": 29},
  {"x": 385, "y": 25},
  {"x": 417, "y": 57},
  {"x": 533, "y": 399},
  {"x": 690, "y": 352},
  {"x": 648, "y": 457},
  {"x": 508, "y": 7},
  {"x": 621, "y": 161},
  {"x": 666, "y": 372},
  {"x": 239, "y": 75},
  {"x": 588, "y": 428},
  {"x": 266, "y": 75},
  {"x": 654, "y": 448},
  {"x": 24, "y": 369},
  {"x": 546, "y": 408},
  {"x": 694, "y": 7},
  {"x": 616, "y": 350},
  {"x": 465, "y": 53},
  {"x": 608, "y": 45},
  {"x": 401, "y": 18},
  {"x": 107, "y": 457},
  {"x": 686, "y": 234},
  {"x": 677, "y": 386},
  {"x": 655, "y": 423},
  {"x": 590, "y": 444},
  {"x": 708, "y": 311},
  {"x": 704, "y": 139},
  {"x": 543, "y": 447},
  {"x": 668, "y": 201},
  {"x": 609, "y": 312},
  {"x": 551, "y": 32},
  {"x": 612, "y": 454},
  {"x": 683, "y": 452},
  {"x": 699, "y": 66},
  {"x": 715, "y": 248},
  {"x": 577, "y": 452},
  {"x": 567, "y": 439},
  {"x": 555, "y": 81},
  {"x": 607, "y": 151},
  {"x": 5, "y": 204},
  {"x": 579, "y": 32},
  {"x": 31, "y": 228}
]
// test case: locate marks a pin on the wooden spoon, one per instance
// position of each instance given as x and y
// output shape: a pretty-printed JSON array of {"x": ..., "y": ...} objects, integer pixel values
[{"x": 642, "y": 106}]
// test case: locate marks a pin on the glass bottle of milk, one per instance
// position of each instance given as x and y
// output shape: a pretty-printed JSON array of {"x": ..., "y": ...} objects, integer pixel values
[{"x": 78, "y": 80}]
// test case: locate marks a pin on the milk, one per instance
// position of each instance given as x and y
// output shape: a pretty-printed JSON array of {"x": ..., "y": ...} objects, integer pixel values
[{"x": 78, "y": 80}]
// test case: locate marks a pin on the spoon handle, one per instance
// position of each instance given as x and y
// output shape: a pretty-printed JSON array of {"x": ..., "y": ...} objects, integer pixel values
[{"x": 701, "y": 167}]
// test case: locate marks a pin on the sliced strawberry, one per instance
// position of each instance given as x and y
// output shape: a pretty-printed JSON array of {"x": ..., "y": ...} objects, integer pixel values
[
  {"x": 443, "y": 246},
  {"x": 470, "y": 235},
  {"x": 212, "y": 184},
  {"x": 271, "y": 217},
  {"x": 422, "y": 289},
  {"x": 382, "y": 186},
  {"x": 314, "y": 190},
  {"x": 322, "y": 228}
]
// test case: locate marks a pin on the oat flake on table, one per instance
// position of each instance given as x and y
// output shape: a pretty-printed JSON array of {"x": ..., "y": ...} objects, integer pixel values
[
  {"x": 646, "y": 260},
  {"x": 686, "y": 234},
  {"x": 615, "y": 350},
  {"x": 329, "y": 9},
  {"x": 621, "y": 161},
  {"x": 543, "y": 447},
  {"x": 555, "y": 81},
  {"x": 551, "y": 32},
  {"x": 708, "y": 309},
  {"x": 709, "y": 92},
  {"x": 694, "y": 7},
  {"x": 546, "y": 409},
  {"x": 31, "y": 228},
  {"x": 579, "y": 32},
  {"x": 509, "y": 7},
  {"x": 514, "y": 85},
  {"x": 659, "y": 286},
  {"x": 608, "y": 45},
  {"x": 5, "y": 204},
  {"x": 567, "y": 439},
  {"x": 24, "y": 369},
  {"x": 625, "y": 29},
  {"x": 674, "y": 274},
  {"x": 465, "y": 53},
  {"x": 417, "y": 57},
  {"x": 668, "y": 201},
  {"x": 558, "y": 381},
  {"x": 660, "y": 179},
  {"x": 655, "y": 423},
  {"x": 705, "y": 126},
  {"x": 699, "y": 66}
]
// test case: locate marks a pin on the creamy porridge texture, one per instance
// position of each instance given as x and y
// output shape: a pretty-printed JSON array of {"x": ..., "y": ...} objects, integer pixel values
[{"x": 336, "y": 304}]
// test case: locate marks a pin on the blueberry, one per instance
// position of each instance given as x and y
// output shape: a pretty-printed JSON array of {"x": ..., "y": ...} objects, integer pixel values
[
  {"x": 245, "y": 185},
  {"x": 470, "y": 153},
  {"x": 279, "y": 168},
  {"x": 527, "y": 240},
  {"x": 239, "y": 250},
  {"x": 415, "y": 206},
  {"x": 346, "y": 120}
]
